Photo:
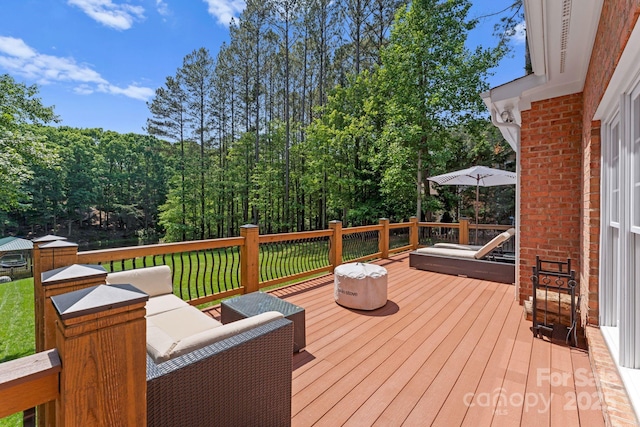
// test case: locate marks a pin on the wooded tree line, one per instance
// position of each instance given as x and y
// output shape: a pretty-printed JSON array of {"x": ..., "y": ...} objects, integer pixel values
[
  {"x": 315, "y": 110},
  {"x": 75, "y": 178}
]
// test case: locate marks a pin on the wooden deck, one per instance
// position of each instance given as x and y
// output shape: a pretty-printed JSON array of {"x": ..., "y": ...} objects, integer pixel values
[{"x": 445, "y": 351}]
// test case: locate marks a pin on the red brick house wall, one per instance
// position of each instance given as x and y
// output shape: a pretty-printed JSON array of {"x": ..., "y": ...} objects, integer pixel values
[
  {"x": 590, "y": 225},
  {"x": 560, "y": 166},
  {"x": 550, "y": 182}
]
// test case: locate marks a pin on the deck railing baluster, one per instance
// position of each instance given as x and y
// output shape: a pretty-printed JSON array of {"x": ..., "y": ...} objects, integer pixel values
[{"x": 223, "y": 278}]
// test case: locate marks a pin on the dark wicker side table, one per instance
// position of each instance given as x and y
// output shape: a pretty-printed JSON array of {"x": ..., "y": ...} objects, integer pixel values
[{"x": 259, "y": 302}]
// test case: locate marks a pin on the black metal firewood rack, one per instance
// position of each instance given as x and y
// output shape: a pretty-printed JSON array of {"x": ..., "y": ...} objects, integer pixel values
[{"x": 554, "y": 283}]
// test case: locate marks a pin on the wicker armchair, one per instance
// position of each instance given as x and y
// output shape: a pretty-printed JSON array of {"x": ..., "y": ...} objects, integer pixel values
[{"x": 244, "y": 380}]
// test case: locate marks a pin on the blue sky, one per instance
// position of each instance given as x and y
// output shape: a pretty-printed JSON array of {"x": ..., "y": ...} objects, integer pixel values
[{"x": 99, "y": 61}]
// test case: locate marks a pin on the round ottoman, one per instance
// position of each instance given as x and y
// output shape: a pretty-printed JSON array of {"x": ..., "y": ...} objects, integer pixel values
[{"x": 360, "y": 286}]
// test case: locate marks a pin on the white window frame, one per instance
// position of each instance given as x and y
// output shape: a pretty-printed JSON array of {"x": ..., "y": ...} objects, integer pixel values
[{"x": 609, "y": 294}]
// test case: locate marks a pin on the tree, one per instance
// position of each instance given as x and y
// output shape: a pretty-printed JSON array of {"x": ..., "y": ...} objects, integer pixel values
[
  {"x": 197, "y": 76},
  {"x": 19, "y": 105},
  {"x": 340, "y": 166},
  {"x": 182, "y": 113},
  {"x": 512, "y": 17},
  {"x": 169, "y": 120},
  {"x": 80, "y": 159},
  {"x": 19, "y": 147},
  {"x": 431, "y": 81},
  {"x": 285, "y": 10}
]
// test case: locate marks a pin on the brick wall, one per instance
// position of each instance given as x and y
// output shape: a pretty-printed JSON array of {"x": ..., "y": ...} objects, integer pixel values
[
  {"x": 551, "y": 180},
  {"x": 617, "y": 20},
  {"x": 560, "y": 166},
  {"x": 590, "y": 226}
]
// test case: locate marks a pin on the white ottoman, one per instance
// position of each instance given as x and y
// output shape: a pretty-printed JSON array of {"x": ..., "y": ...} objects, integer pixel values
[{"x": 360, "y": 286}]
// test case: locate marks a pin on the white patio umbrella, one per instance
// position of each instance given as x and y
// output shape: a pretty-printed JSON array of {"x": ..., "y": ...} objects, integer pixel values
[{"x": 480, "y": 176}]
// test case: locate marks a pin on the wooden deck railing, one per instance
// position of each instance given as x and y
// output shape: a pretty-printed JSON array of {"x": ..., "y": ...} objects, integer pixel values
[
  {"x": 204, "y": 271},
  {"x": 29, "y": 382},
  {"x": 95, "y": 375},
  {"x": 209, "y": 270}
]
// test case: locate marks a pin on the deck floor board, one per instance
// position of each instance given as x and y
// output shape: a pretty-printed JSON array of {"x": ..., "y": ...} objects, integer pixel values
[{"x": 444, "y": 351}]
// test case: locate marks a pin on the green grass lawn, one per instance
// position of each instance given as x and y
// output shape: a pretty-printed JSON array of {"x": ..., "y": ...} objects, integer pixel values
[{"x": 17, "y": 333}]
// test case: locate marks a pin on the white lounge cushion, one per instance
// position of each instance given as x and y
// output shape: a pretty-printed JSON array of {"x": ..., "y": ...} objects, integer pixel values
[
  {"x": 494, "y": 243},
  {"x": 458, "y": 246},
  {"x": 162, "y": 303},
  {"x": 151, "y": 280},
  {"x": 466, "y": 253},
  {"x": 166, "y": 340},
  {"x": 456, "y": 253}
]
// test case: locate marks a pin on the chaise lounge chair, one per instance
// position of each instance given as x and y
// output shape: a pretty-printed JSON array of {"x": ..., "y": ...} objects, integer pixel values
[
  {"x": 468, "y": 261},
  {"x": 478, "y": 251}
]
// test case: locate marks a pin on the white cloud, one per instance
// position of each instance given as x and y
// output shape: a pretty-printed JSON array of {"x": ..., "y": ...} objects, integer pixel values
[
  {"x": 16, "y": 47},
  {"x": 224, "y": 10},
  {"x": 162, "y": 8},
  {"x": 18, "y": 58},
  {"x": 131, "y": 91},
  {"x": 83, "y": 89},
  {"x": 520, "y": 33},
  {"x": 117, "y": 16}
]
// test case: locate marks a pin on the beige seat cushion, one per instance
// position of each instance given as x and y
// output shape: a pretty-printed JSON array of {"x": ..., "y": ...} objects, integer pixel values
[
  {"x": 162, "y": 303},
  {"x": 181, "y": 331},
  {"x": 182, "y": 322},
  {"x": 151, "y": 280},
  {"x": 225, "y": 331}
]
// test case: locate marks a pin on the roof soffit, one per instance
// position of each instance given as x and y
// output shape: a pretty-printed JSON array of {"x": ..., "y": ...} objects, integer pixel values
[
  {"x": 568, "y": 31},
  {"x": 560, "y": 34}
]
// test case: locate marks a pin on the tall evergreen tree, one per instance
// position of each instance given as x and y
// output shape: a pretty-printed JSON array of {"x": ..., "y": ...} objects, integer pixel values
[
  {"x": 169, "y": 120},
  {"x": 196, "y": 75}
]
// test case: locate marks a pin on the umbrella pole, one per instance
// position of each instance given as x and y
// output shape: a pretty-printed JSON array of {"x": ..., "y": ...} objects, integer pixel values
[{"x": 477, "y": 201}]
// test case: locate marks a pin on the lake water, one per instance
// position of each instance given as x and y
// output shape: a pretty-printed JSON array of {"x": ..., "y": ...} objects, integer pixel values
[{"x": 118, "y": 243}]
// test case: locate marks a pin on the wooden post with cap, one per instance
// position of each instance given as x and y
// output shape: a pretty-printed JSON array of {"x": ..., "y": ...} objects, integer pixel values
[
  {"x": 49, "y": 252},
  {"x": 100, "y": 337}
]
